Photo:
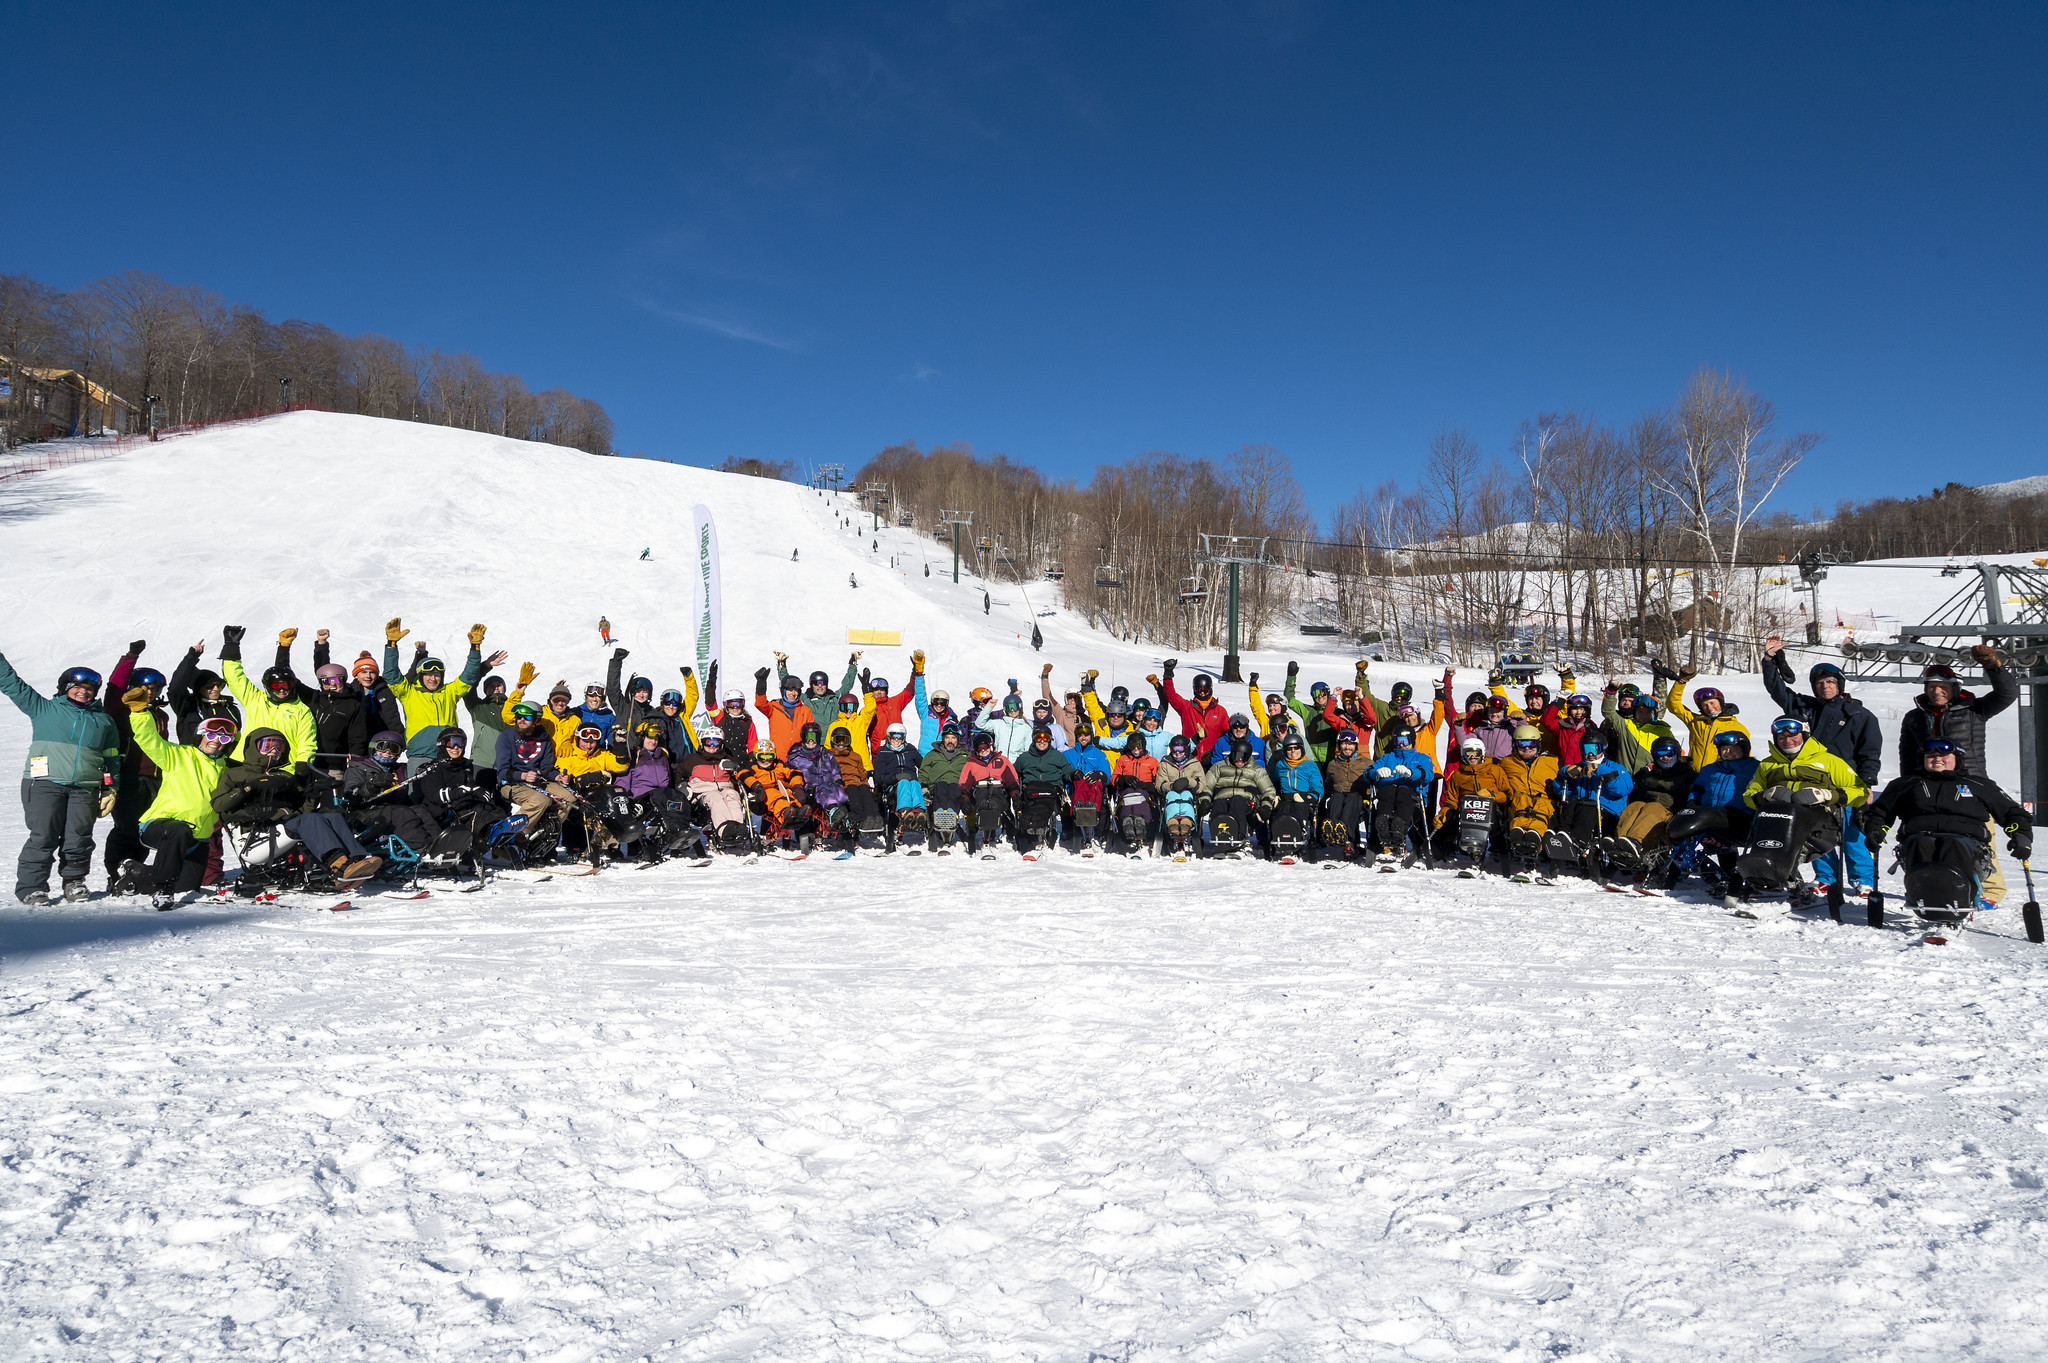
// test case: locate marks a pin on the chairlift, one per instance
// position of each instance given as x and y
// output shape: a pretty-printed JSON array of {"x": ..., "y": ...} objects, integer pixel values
[
  {"x": 1192, "y": 592},
  {"x": 1109, "y": 577},
  {"x": 1055, "y": 573},
  {"x": 1004, "y": 557}
]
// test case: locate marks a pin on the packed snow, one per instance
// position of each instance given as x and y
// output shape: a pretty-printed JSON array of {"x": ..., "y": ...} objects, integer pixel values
[{"x": 894, "y": 1108}]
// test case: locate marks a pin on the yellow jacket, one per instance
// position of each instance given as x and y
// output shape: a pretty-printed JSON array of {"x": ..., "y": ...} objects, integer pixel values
[
  {"x": 293, "y": 719},
  {"x": 190, "y": 778},
  {"x": 1701, "y": 727},
  {"x": 574, "y": 762},
  {"x": 1259, "y": 722},
  {"x": 561, "y": 728},
  {"x": 1812, "y": 766},
  {"x": 1109, "y": 740},
  {"x": 857, "y": 726}
]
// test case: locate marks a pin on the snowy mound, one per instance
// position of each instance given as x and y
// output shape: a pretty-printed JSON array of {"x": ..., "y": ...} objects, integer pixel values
[{"x": 2018, "y": 487}]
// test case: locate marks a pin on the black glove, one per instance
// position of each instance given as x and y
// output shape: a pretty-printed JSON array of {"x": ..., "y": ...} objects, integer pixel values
[
  {"x": 760, "y": 679},
  {"x": 135, "y": 647},
  {"x": 710, "y": 679},
  {"x": 231, "y": 643},
  {"x": 232, "y": 634},
  {"x": 1255, "y": 679},
  {"x": 618, "y": 655},
  {"x": 2021, "y": 843},
  {"x": 866, "y": 684},
  {"x": 1293, "y": 669},
  {"x": 1167, "y": 671}
]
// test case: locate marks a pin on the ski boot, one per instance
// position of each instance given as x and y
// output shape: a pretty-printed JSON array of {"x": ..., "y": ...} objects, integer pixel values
[
  {"x": 75, "y": 891},
  {"x": 124, "y": 879}
]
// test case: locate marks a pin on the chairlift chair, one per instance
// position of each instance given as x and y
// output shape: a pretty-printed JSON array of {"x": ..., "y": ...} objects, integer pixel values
[
  {"x": 1054, "y": 573},
  {"x": 1192, "y": 592},
  {"x": 1109, "y": 577}
]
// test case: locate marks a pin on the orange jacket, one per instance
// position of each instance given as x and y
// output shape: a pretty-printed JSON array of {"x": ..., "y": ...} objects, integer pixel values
[
  {"x": 780, "y": 786},
  {"x": 785, "y": 723},
  {"x": 1144, "y": 769},
  {"x": 1527, "y": 787},
  {"x": 1485, "y": 777}
]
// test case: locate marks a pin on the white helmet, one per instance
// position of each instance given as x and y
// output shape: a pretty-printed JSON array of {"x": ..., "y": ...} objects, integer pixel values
[
  {"x": 897, "y": 730},
  {"x": 734, "y": 696}
]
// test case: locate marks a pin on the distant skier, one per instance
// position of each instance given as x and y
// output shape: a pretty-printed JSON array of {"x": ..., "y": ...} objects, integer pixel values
[
  {"x": 604, "y": 629},
  {"x": 984, "y": 603},
  {"x": 792, "y": 556},
  {"x": 646, "y": 554},
  {"x": 851, "y": 583}
]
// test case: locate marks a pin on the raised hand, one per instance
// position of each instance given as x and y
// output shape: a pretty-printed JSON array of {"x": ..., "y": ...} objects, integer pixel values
[
  {"x": 285, "y": 637},
  {"x": 320, "y": 636},
  {"x": 476, "y": 636},
  {"x": 392, "y": 633},
  {"x": 496, "y": 658},
  {"x": 526, "y": 675}
]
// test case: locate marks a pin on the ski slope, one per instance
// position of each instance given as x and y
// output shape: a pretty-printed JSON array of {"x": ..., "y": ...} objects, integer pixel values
[{"x": 889, "y": 1109}]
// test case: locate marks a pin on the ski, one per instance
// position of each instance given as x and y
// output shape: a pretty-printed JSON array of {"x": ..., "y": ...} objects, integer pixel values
[
  {"x": 843, "y": 856},
  {"x": 423, "y": 894},
  {"x": 343, "y": 907},
  {"x": 1031, "y": 856},
  {"x": 1289, "y": 861}
]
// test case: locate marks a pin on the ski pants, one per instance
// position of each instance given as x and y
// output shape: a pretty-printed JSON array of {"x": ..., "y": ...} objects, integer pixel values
[
  {"x": 1644, "y": 821},
  {"x": 1862, "y": 865},
  {"x": 535, "y": 801},
  {"x": 124, "y": 839},
  {"x": 177, "y": 860},
  {"x": 57, "y": 816},
  {"x": 722, "y": 804},
  {"x": 324, "y": 834},
  {"x": 1397, "y": 814}
]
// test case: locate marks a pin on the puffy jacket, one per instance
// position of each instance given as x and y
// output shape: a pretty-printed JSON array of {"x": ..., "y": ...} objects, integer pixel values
[
  {"x": 1297, "y": 776},
  {"x": 572, "y": 762},
  {"x": 649, "y": 772},
  {"x": 340, "y": 727},
  {"x": 1960, "y": 722},
  {"x": 888, "y": 710},
  {"x": 853, "y": 766},
  {"x": 780, "y": 786},
  {"x": 893, "y": 764},
  {"x": 426, "y": 712},
  {"x": 1191, "y": 771},
  {"x": 1609, "y": 783},
  {"x": 857, "y": 726},
  {"x": 824, "y": 708},
  {"x": 1812, "y": 766},
  {"x": 1565, "y": 737},
  {"x": 1404, "y": 767},
  {"x": 1136, "y": 770},
  {"x": 1702, "y": 728},
  {"x": 561, "y": 728},
  {"x": 188, "y": 779},
  {"x": 68, "y": 743},
  {"x": 1528, "y": 787},
  {"x": 820, "y": 771},
  {"x": 1251, "y": 781},
  {"x": 1087, "y": 757},
  {"x": 1217, "y": 751},
  {"x": 785, "y": 721},
  {"x": 516, "y": 755},
  {"x": 1498, "y": 738},
  {"x": 1048, "y": 768},
  {"x": 1842, "y": 725},
  {"x": 1487, "y": 777},
  {"x": 1316, "y": 723},
  {"x": 994, "y": 767},
  {"x": 1719, "y": 785},
  {"x": 293, "y": 719},
  {"x": 1201, "y": 720},
  {"x": 187, "y": 681}
]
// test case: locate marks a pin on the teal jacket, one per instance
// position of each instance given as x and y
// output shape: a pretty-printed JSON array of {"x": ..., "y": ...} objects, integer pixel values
[{"x": 71, "y": 745}]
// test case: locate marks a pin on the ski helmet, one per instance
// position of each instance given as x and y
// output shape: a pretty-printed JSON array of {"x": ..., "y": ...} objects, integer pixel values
[
  {"x": 1702, "y": 694},
  {"x": 593, "y": 692},
  {"x": 452, "y": 736},
  {"x": 1013, "y": 704},
  {"x": 1122, "y": 693},
  {"x": 1400, "y": 694},
  {"x": 1535, "y": 696},
  {"x": 331, "y": 672},
  {"x": 848, "y": 705},
  {"x": 1650, "y": 705},
  {"x": 1527, "y": 736},
  {"x": 1400, "y": 738},
  {"x": 527, "y": 712},
  {"x": 1818, "y": 671},
  {"x": 78, "y": 676},
  {"x": 1629, "y": 691},
  {"x": 1787, "y": 724},
  {"x": 639, "y": 684},
  {"x": 1140, "y": 708},
  {"x": 792, "y": 684},
  {"x": 940, "y": 700},
  {"x": 146, "y": 676},
  {"x": 983, "y": 739},
  {"x": 1729, "y": 739},
  {"x": 1347, "y": 735},
  {"x": 711, "y": 736},
  {"x": 1117, "y": 708},
  {"x": 1579, "y": 704},
  {"x": 1319, "y": 688},
  {"x": 950, "y": 729},
  {"x": 672, "y": 697},
  {"x": 897, "y": 731},
  {"x": 879, "y": 685},
  {"x": 819, "y": 679},
  {"x": 981, "y": 695},
  {"x": 1664, "y": 752},
  {"x": 1592, "y": 743},
  {"x": 1177, "y": 744},
  {"x": 1475, "y": 700},
  {"x": 650, "y": 729},
  {"x": 1203, "y": 686},
  {"x": 1472, "y": 743},
  {"x": 1083, "y": 729},
  {"x": 764, "y": 747},
  {"x": 1293, "y": 743},
  {"x": 1041, "y": 733},
  {"x": 387, "y": 738},
  {"x": 1240, "y": 753},
  {"x": 433, "y": 665},
  {"x": 1497, "y": 703},
  {"x": 279, "y": 682},
  {"x": 810, "y": 733},
  {"x": 1240, "y": 720},
  {"x": 1134, "y": 746}
]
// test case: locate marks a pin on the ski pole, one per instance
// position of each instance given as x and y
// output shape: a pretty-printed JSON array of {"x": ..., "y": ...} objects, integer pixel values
[{"x": 2030, "y": 912}]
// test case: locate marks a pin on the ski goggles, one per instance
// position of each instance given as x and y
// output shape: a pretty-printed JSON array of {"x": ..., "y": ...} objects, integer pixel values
[
  {"x": 455, "y": 740},
  {"x": 1939, "y": 745},
  {"x": 674, "y": 698},
  {"x": 1530, "y": 743},
  {"x": 1730, "y": 738},
  {"x": 524, "y": 711},
  {"x": 220, "y": 729},
  {"x": 270, "y": 746},
  {"x": 1787, "y": 724}
]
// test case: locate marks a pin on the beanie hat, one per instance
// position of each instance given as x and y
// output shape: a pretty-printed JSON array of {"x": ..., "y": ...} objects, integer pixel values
[{"x": 362, "y": 661}]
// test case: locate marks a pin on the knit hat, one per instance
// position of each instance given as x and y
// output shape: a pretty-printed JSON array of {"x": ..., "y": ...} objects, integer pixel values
[{"x": 362, "y": 661}]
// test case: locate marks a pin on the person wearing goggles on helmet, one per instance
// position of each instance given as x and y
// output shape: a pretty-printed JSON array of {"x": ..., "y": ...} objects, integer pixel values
[
  {"x": 1844, "y": 727},
  {"x": 1202, "y": 716},
  {"x": 136, "y": 786},
  {"x": 429, "y": 701},
  {"x": 890, "y": 706},
  {"x": 1710, "y": 714},
  {"x": 341, "y": 725},
  {"x": 274, "y": 705},
  {"x": 1529, "y": 779},
  {"x": 1010, "y": 729},
  {"x": 1633, "y": 728},
  {"x": 74, "y": 765},
  {"x": 820, "y": 697},
  {"x": 819, "y": 768},
  {"x": 1950, "y": 820},
  {"x": 1237, "y": 728},
  {"x": 856, "y": 716},
  {"x": 1800, "y": 780},
  {"x": 177, "y": 825},
  {"x": 1051, "y": 711},
  {"x": 1637, "y": 845},
  {"x": 735, "y": 725}
]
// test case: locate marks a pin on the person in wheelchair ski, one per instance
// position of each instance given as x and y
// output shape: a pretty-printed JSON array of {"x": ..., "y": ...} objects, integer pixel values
[
  {"x": 1239, "y": 797},
  {"x": 1640, "y": 843},
  {"x": 717, "y": 803},
  {"x": 287, "y": 842},
  {"x": 1590, "y": 796},
  {"x": 1044, "y": 773},
  {"x": 1942, "y": 812},
  {"x": 988, "y": 780},
  {"x": 1709, "y": 830},
  {"x": 779, "y": 798},
  {"x": 1475, "y": 799},
  {"x": 1181, "y": 782},
  {"x": 1130, "y": 792},
  {"x": 900, "y": 787},
  {"x": 1798, "y": 794},
  {"x": 1400, "y": 779}
]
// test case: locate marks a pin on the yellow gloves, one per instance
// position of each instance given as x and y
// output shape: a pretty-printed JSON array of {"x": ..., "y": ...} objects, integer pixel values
[
  {"x": 526, "y": 675},
  {"x": 285, "y": 637},
  {"x": 476, "y": 636},
  {"x": 392, "y": 633}
]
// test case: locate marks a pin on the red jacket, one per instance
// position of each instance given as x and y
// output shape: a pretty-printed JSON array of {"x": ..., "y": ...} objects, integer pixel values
[
  {"x": 889, "y": 712},
  {"x": 1202, "y": 721},
  {"x": 996, "y": 767},
  {"x": 1562, "y": 740}
]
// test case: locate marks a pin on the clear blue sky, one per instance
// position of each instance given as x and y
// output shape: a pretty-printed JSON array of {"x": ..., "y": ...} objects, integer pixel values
[{"x": 1075, "y": 233}]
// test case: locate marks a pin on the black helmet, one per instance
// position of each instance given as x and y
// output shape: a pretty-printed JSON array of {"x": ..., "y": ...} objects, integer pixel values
[
  {"x": 809, "y": 732},
  {"x": 279, "y": 681},
  {"x": 78, "y": 676},
  {"x": 820, "y": 679},
  {"x": 146, "y": 676},
  {"x": 982, "y": 736},
  {"x": 639, "y": 684},
  {"x": 494, "y": 686},
  {"x": 1240, "y": 753},
  {"x": 1203, "y": 686},
  {"x": 1122, "y": 693}
]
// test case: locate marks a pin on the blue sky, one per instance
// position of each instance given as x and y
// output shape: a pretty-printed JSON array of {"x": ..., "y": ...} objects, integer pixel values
[{"x": 1076, "y": 233}]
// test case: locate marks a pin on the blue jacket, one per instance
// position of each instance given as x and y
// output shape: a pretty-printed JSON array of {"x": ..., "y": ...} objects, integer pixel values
[
  {"x": 603, "y": 719},
  {"x": 1610, "y": 784},
  {"x": 1421, "y": 769},
  {"x": 1719, "y": 785},
  {"x": 1219, "y": 750},
  {"x": 69, "y": 744},
  {"x": 1091, "y": 758},
  {"x": 1304, "y": 777}
]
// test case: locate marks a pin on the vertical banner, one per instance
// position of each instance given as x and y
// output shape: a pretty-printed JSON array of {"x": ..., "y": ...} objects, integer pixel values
[{"x": 704, "y": 592}]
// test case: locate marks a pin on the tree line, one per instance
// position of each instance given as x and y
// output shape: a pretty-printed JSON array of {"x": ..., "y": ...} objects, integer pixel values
[{"x": 205, "y": 359}]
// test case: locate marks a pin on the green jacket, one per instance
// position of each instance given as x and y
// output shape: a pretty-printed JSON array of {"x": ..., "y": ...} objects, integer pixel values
[
  {"x": 1316, "y": 730},
  {"x": 1251, "y": 781},
  {"x": 189, "y": 779},
  {"x": 69, "y": 744},
  {"x": 426, "y": 712},
  {"x": 1632, "y": 741},
  {"x": 825, "y": 709},
  {"x": 1048, "y": 768},
  {"x": 942, "y": 768},
  {"x": 294, "y": 719}
]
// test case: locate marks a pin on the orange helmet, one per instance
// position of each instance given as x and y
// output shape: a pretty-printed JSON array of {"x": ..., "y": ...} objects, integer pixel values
[{"x": 981, "y": 695}]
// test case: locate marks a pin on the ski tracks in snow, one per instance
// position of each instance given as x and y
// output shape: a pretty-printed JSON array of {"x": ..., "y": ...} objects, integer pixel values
[{"x": 926, "y": 1109}]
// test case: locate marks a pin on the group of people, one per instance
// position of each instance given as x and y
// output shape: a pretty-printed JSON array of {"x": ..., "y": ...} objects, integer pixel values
[{"x": 371, "y": 761}]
